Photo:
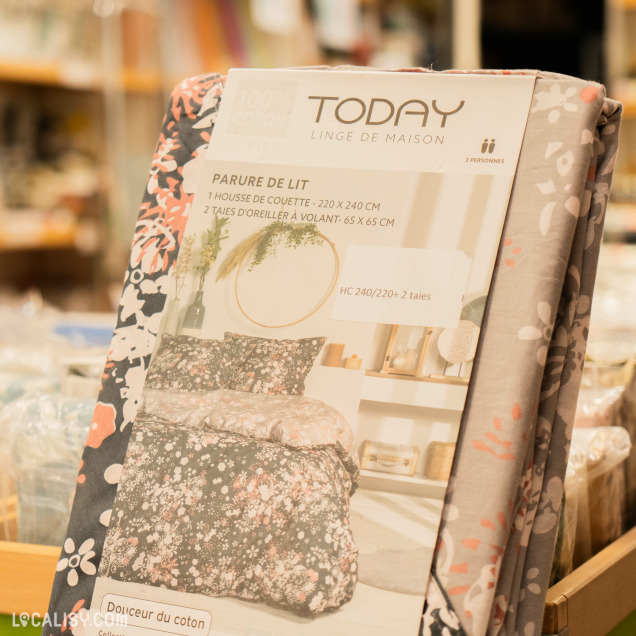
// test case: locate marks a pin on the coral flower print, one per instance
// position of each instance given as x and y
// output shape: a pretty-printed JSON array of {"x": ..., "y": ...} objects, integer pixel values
[
  {"x": 81, "y": 558},
  {"x": 542, "y": 333},
  {"x": 163, "y": 215},
  {"x": 278, "y": 512},
  {"x": 102, "y": 426},
  {"x": 494, "y": 587}
]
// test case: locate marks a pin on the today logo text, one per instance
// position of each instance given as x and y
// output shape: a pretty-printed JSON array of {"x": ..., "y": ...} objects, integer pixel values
[{"x": 379, "y": 110}]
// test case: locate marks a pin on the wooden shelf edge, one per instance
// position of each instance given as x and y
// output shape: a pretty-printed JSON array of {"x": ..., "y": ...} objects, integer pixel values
[
  {"x": 629, "y": 108},
  {"x": 26, "y": 576},
  {"x": 597, "y": 595},
  {"x": 45, "y": 243},
  {"x": 54, "y": 74},
  {"x": 623, "y": 4},
  {"x": 448, "y": 380},
  {"x": 141, "y": 82},
  {"x": 29, "y": 73}
]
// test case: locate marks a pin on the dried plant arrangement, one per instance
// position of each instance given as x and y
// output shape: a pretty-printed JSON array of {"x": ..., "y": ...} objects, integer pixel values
[
  {"x": 210, "y": 248},
  {"x": 183, "y": 264},
  {"x": 264, "y": 243}
]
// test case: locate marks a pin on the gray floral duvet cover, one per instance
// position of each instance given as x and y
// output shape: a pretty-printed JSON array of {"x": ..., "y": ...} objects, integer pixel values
[{"x": 232, "y": 513}]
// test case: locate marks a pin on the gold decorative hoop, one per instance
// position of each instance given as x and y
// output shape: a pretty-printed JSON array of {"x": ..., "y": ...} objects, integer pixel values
[{"x": 312, "y": 312}]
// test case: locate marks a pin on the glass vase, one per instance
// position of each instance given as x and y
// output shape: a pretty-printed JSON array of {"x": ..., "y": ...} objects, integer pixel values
[
  {"x": 194, "y": 316},
  {"x": 172, "y": 317}
]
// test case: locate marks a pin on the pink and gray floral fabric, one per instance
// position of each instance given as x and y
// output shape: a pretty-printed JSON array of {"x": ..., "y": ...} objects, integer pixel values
[
  {"x": 293, "y": 420},
  {"x": 276, "y": 366},
  {"x": 499, "y": 524},
  {"x": 241, "y": 362},
  {"x": 220, "y": 513},
  {"x": 495, "y": 545},
  {"x": 186, "y": 363}
]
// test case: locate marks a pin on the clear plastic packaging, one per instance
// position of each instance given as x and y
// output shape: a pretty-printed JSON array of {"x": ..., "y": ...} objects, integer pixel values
[
  {"x": 622, "y": 413},
  {"x": 82, "y": 375},
  {"x": 43, "y": 437},
  {"x": 36, "y": 340},
  {"x": 609, "y": 359},
  {"x": 594, "y": 405},
  {"x": 27, "y": 351},
  {"x": 602, "y": 520},
  {"x": 606, "y": 373},
  {"x": 14, "y": 385},
  {"x": 575, "y": 480}
]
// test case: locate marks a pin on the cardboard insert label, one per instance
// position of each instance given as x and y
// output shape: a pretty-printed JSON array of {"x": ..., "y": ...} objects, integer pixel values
[
  {"x": 402, "y": 286},
  {"x": 151, "y": 617},
  {"x": 341, "y": 242}
]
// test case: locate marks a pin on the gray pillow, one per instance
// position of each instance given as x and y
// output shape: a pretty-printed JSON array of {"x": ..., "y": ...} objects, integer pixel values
[
  {"x": 186, "y": 363},
  {"x": 275, "y": 366}
]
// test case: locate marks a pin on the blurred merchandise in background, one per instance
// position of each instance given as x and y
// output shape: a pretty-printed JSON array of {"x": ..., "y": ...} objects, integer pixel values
[
  {"x": 51, "y": 364},
  {"x": 83, "y": 86},
  {"x": 564, "y": 36}
]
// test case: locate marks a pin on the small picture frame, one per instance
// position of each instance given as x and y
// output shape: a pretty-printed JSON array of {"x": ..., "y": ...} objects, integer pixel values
[{"x": 406, "y": 350}]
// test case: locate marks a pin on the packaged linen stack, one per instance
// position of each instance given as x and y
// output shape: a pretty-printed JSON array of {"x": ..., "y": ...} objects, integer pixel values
[
  {"x": 43, "y": 436},
  {"x": 27, "y": 351},
  {"x": 491, "y": 569},
  {"x": 599, "y": 502},
  {"x": 573, "y": 505},
  {"x": 37, "y": 339},
  {"x": 608, "y": 394},
  {"x": 594, "y": 502},
  {"x": 619, "y": 409},
  {"x": 42, "y": 430}
]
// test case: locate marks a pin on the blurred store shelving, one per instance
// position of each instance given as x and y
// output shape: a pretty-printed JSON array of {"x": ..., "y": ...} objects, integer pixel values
[
  {"x": 84, "y": 83},
  {"x": 620, "y": 49},
  {"x": 83, "y": 88}
]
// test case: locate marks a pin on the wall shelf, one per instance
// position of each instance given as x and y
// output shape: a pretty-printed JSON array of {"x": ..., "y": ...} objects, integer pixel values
[
  {"x": 76, "y": 77},
  {"x": 49, "y": 240},
  {"x": 403, "y": 484},
  {"x": 33, "y": 230},
  {"x": 624, "y": 4},
  {"x": 40, "y": 73},
  {"x": 432, "y": 394}
]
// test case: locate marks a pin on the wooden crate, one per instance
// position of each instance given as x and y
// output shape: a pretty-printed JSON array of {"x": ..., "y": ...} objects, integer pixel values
[
  {"x": 26, "y": 576},
  {"x": 597, "y": 595},
  {"x": 589, "y": 602}
]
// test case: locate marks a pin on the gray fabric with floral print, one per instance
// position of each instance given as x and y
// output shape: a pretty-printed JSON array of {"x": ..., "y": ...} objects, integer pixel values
[
  {"x": 500, "y": 518},
  {"x": 276, "y": 366},
  {"x": 186, "y": 363},
  {"x": 222, "y": 514},
  {"x": 490, "y": 573}
]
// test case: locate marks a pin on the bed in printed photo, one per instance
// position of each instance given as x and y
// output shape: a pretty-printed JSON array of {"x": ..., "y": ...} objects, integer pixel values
[
  {"x": 226, "y": 509},
  {"x": 237, "y": 485},
  {"x": 240, "y": 491}
]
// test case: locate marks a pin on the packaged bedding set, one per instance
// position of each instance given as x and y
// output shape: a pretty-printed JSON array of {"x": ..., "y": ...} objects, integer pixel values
[{"x": 338, "y": 277}]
